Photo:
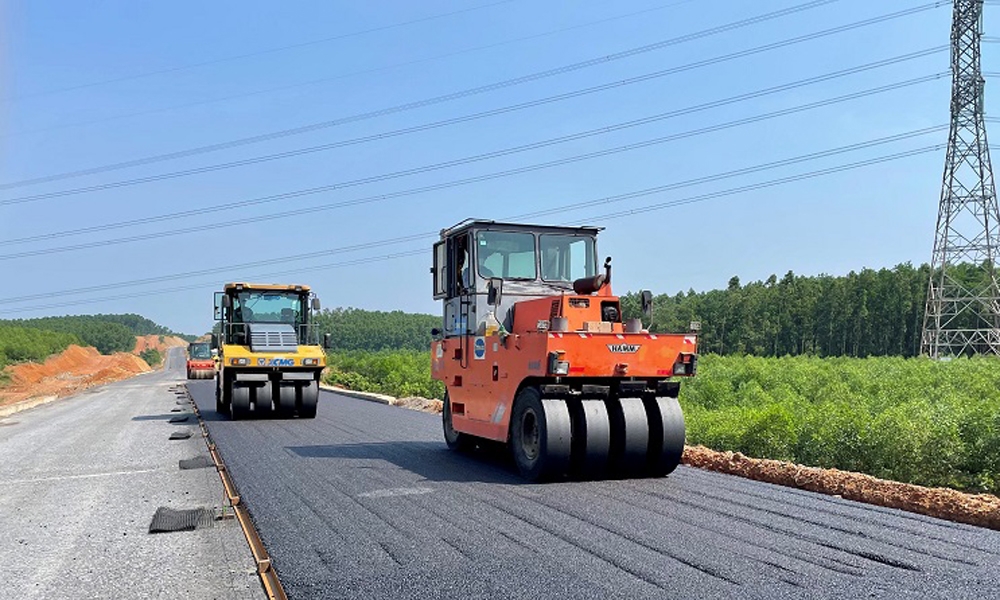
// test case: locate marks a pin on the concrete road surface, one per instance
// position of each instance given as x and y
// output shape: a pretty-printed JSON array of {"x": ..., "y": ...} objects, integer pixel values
[
  {"x": 80, "y": 480},
  {"x": 365, "y": 501}
]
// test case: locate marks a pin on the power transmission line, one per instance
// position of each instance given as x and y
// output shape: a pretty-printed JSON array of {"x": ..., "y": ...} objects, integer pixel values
[
  {"x": 479, "y": 178},
  {"x": 284, "y": 273},
  {"x": 386, "y": 135},
  {"x": 669, "y": 114},
  {"x": 616, "y": 214},
  {"x": 412, "y": 237},
  {"x": 736, "y": 173},
  {"x": 408, "y": 63},
  {"x": 255, "y": 53},
  {"x": 538, "y": 75},
  {"x": 767, "y": 184}
]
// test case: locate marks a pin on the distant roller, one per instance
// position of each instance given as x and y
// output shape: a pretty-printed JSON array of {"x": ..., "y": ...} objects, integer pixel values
[{"x": 200, "y": 364}]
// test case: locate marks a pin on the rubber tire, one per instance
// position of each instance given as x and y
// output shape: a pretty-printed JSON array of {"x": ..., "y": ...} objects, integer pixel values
[
  {"x": 221, "y": 406},
  {"x": 551, "y": 421},
  {"x": 262, "y": 400},
  {"x": 189, "y": 375},
  {"x": 666, "y": 435},
  {"x": 591, "y": 437},
  {"x": 285, "y": 404},
  {"x": 629, "y": 437},
  {"x": 310, "y": 398},
  {"x": 239, "y": 402},
  {"x": 461, "y": 442}
]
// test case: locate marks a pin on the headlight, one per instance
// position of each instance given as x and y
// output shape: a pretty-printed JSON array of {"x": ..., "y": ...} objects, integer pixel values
[
  {"x": 240, "y": 362},
  {"x": 687, "y": 364},
  {"x": 310, "y": 362},
  {"x": 557, "y": 366}
]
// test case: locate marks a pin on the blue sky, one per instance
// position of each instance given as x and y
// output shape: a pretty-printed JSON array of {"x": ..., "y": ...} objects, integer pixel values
[{"x": 78, "y": 94}]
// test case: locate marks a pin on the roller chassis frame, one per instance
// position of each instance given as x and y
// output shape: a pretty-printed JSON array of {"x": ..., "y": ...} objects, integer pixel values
[{"x": 267, "y": 393}]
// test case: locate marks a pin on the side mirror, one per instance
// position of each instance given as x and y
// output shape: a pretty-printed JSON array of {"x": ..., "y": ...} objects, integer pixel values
[
  {"x": 227, "y": 301},
  {"x": 215, "y": 342},
  {"x": 435, "y": 332},
  {"x": 647, "y": 303},
  {"x": 315, "y": 303},
  {"x": 494, "y": 291},
  {"x": 326, "y": 341}
]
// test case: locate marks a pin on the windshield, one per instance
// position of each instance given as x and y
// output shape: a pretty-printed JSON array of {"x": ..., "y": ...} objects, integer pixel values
[
  {"x": 267, "y": 307},
  {"x": 199, "y": 351},
  {"x": 567, "y": 257},
  {"x": 505, "y": 254}
]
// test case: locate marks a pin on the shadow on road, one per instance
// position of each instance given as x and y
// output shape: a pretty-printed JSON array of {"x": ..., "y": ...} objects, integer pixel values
[{"x": 431, "y": 460}]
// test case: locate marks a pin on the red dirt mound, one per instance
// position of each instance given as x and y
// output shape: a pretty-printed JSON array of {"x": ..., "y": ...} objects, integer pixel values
[
  {"x": 74, "y": 369},
  {"x": 145, "y": 342}
]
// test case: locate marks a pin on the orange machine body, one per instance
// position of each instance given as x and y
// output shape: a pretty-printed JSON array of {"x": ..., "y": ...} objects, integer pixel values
[
  {"x": 483, "y": 374},
  {"x": 201, "y": 364}
]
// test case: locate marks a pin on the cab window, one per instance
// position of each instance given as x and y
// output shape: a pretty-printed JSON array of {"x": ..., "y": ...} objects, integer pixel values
[
  {"x": 505, "y": 254},
  {"x": 567, "y": 257}
]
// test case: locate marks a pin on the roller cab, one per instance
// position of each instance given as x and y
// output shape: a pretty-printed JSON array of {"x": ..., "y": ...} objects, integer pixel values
[{"x": 534, "y": 353}]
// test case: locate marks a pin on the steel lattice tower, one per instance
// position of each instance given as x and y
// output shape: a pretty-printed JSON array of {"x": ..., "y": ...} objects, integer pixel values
[{"x": 963, "y": 301}]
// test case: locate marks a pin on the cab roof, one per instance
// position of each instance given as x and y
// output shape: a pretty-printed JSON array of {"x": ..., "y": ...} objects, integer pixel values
[
  {"x": 487, "y": 224},
  {"x": 267, "y": 286}
]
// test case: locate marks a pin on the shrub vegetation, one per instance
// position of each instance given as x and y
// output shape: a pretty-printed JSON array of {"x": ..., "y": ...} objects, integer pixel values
[
  {"x": 913, "y": 420},
  {"x": 152, "y": 356},
  {"x": 398, "y": 373}
]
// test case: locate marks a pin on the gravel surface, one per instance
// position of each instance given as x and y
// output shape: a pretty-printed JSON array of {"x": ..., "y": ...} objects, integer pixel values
[
  {"x": 365, "y": 501},
  {"x": 80, "y": 480}
]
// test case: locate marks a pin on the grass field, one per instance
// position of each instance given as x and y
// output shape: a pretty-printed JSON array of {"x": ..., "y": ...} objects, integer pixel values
[
  {"x": 912, "y": 420},
  {"x": 906, "y": 419}
]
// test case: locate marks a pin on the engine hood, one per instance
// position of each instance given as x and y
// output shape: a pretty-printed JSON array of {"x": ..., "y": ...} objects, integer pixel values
[{"x": 272, "y": 337}]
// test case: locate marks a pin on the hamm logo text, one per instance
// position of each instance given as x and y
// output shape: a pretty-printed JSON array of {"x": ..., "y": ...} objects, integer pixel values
[{"x": 624, "y": 348}]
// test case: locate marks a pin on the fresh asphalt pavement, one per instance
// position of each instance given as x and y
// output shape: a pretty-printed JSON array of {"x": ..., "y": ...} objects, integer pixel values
[
  {"x": 80, "y": 479},
  {"x": 366, "y": 501}
]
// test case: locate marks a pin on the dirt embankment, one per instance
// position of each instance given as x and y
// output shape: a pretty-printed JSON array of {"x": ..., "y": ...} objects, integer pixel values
[
  {"x": 74, "y": 369},
  {"x": 156, "y": 342},
  {"x": 982, "y": 510},
  {"x": 976, "y": 509}
]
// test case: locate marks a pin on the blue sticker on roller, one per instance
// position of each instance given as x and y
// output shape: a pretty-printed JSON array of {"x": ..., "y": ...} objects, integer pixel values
[{"x": 479, "y": 348}]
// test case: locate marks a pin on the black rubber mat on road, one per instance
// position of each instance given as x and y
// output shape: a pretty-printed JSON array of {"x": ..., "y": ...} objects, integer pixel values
[
  {"x": 198, "y": 462},
  {"x": 179, "y": 418},
  {"x": 166, "y": 520},
  {"x": 180, "y": 435}
]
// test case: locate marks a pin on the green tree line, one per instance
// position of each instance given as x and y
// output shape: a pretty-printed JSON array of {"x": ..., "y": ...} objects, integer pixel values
[
  {"x": 865, "y": 313},
  {"x": 357, "y": 329},
  {"x": 19, "y": 344},
  {"x": 140, "y": 325},
  {"x": 107, "y": 333}
]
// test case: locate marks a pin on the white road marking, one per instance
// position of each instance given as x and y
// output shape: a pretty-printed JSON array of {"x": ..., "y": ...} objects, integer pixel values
[{"x": 87, "y": 476}]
